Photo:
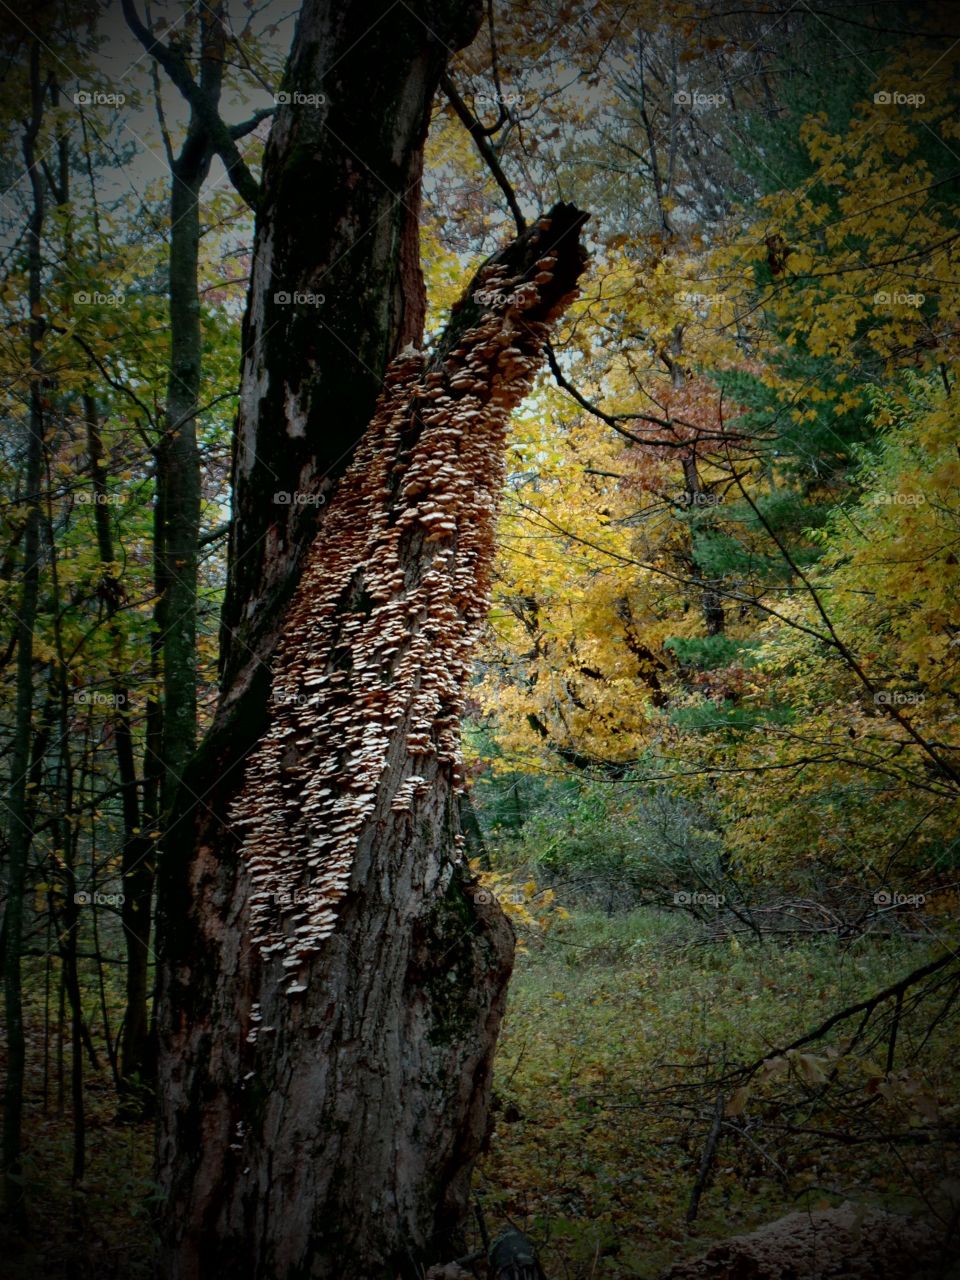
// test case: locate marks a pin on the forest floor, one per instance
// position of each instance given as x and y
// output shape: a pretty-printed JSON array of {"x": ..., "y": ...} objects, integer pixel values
[
  {"x": 586, "y": 1154},
  {"x": 100, "y": 1226},
  {"x": 600, "y": 1135}
]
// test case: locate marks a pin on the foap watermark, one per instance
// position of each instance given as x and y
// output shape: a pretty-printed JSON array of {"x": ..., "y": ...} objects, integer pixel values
[
  {"x": 298, "y": 99},
  {"x": 284, "y": 498},
  {"x": 299, "y": 298},
  {"x": 898, "y": 698},
  {"x": 304, "y": 896},
  {"x": 506, "y": 897},
  {"x": 97, "y": 698},
  {"x": 481, "y": 895},
  {"x": 897, "y": 298},
  {"x": 100, "y": 499},
  {"x": 689, "y": 298},
  {"x": 891, "y": 898},
  {"x": 694, "y": 98},
  {"x": 291, "y": 698},
  {"x": 98, "y": 899},
  {"x": 697, "y": 898},
  {"x": 493, "y": 298},
  {"x": 896, "y": 498},
  {"x": 94, "y": 298},
  {"x": 688, "y": 499},
  {"x": 894, "y": 98},
  {"x": 507, "y": 100},
  {"x": 97, "y": 98}
]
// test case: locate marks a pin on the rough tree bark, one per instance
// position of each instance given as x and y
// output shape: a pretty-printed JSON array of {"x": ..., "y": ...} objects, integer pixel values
[
  {"x": 338, "y": 236},
  {"x": 330, "y": 990},
  {"x": 328, "y": 216}
]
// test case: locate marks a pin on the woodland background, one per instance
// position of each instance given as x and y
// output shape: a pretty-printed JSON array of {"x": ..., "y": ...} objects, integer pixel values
[{"x": 714, "y": 736}]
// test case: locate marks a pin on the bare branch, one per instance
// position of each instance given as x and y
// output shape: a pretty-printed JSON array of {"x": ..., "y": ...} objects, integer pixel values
[{"x": 479, "y": 135}]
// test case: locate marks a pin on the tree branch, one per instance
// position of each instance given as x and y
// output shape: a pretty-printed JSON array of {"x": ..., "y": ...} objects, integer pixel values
[
  {"x": 834, "y": 640},
  {"x": 247, "y": 126},
  {"x": 479, "y": 135},
  {"x": 219, "y": 135},
  {"x": 895, "y": 990}
]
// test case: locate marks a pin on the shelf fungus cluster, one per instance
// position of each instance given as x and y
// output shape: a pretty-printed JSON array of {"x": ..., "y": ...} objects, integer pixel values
[{"x": 376, "y": 647}]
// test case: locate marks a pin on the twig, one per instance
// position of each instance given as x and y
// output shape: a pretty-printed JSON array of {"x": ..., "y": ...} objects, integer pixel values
[
  {"x": 482, "y": 1226},
  {"x": 706, "y": 1160},
  {"x": 892, "y": 1045}
]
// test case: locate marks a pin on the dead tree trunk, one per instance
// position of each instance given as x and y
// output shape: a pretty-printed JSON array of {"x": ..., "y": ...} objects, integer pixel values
[{"x": 332, "y": 1098}]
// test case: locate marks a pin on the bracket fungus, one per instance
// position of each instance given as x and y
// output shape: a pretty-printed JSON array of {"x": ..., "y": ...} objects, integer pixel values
[{"x": 375, "y": 650}]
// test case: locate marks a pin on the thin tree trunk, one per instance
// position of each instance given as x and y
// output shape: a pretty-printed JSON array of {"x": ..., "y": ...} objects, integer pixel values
[
  {"x": 41, "y": 741},
  {"x": 711, "y": 598},
  {"x": 47, "y": 965},
  {"x": 152, "y": 753},
  {"x": 178, "y": 468},
  {"x": 172, "y": 733},
  {"x": 104, "y": 1011},
  {"x": 67, "y": 844},
  {"x": 137, "y": 862},
  {"x": 61, "y": 1024},
  {"x": 475, "y": 845},
  {"x": 20, "y": 833}
]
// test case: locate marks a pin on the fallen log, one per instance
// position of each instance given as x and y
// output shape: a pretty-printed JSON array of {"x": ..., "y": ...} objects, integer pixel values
[{"x": 852, "y": 1242}]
